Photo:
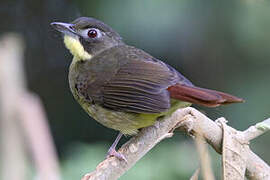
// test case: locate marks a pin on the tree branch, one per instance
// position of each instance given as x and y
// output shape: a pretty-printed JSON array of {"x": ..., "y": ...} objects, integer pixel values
[
  {"x": 23, "y": 123},
  {"x": 254, "y": 131},
  {"x": 12, "y": 149},
  {"x": 189, "y": 120}
]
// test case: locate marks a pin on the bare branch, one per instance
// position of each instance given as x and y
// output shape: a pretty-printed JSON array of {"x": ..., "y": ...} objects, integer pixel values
[
  {"x": 192, "y": 122},
  {"x": 234, "y": 151},
  {"x": 205, "y": 160},
  {"x": 12, "y": 145},
  {"x": 195, "y": 175},
  {"x": 22, "y": 119},
  {"x": 254, "y": 131},
  {"x": 39, "y": 137}
]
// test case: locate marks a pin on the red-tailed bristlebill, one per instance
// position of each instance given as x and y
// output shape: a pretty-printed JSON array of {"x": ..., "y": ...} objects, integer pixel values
[{"x": 123, "y": 87}]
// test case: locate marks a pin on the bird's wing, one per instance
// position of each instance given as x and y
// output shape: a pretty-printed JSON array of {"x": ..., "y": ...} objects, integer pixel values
[
  {"x": 140, "y": 86},
  {"x": 127, "y": 79}
]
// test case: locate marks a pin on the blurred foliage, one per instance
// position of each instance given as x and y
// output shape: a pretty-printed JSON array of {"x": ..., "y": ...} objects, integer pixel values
[{"x": 222, "y": 45}]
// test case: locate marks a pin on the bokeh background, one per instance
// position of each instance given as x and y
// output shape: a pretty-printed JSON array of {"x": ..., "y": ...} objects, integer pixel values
[{"x": 222, "y": 45}]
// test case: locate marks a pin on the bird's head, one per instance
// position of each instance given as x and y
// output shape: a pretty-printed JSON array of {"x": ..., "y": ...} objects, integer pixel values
[{"x": 86, "y": 36}]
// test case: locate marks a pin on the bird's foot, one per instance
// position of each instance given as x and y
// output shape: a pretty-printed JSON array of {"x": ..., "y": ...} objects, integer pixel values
[{"x": 113, "y": 152}]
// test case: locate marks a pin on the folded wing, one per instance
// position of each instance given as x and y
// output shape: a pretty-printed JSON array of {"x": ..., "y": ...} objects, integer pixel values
[{"x": 140, "y": 87}]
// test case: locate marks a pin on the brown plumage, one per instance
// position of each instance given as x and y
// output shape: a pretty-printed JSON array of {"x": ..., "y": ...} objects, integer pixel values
[{"x": 122, "y": 87}]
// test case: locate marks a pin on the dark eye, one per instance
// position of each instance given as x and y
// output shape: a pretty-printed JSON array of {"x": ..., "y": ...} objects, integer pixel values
[{"x": 92, "y": 33}]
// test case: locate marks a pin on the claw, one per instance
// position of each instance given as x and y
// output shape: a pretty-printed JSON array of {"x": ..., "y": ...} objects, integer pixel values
[{"x": 112, "y": 152}]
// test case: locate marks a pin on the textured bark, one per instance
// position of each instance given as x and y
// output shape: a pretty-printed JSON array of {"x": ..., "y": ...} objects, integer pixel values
[{"x": 192, "y": 122}]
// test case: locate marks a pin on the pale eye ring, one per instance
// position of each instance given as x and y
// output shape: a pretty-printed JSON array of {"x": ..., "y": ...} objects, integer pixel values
[{"x": 90, "y": 33}]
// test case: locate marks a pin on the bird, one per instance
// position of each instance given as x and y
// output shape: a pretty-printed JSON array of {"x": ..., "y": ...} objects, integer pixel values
[{"x": 122, "y": 87}]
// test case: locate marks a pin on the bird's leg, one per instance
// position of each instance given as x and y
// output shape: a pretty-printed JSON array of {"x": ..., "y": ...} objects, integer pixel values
[{"x": 112, "y": 151}]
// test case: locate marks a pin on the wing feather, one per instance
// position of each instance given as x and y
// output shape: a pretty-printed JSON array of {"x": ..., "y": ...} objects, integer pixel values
[
  {"x": 127, "y": 79},
  {"x": 139, "y": 86}
]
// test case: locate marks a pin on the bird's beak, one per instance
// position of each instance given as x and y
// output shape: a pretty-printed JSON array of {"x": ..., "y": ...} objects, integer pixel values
[{"x": 65, "y": 28}]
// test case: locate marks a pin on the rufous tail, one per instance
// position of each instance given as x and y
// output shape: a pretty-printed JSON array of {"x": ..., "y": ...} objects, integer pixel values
[{"x": 201, "y": 96}]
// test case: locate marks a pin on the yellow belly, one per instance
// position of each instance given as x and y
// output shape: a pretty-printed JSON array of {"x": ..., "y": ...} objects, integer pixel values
[{"x": 127, "y": 123}]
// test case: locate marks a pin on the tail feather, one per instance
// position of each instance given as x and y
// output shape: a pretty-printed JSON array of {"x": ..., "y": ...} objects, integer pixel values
[{"x": 201, "y": 96}]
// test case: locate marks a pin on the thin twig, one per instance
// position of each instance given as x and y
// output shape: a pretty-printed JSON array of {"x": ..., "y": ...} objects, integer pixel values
[{"x": 254, "y": 131}]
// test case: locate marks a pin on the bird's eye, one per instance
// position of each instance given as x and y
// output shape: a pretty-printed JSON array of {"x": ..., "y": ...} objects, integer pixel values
[{"x": 92, "y": 33}]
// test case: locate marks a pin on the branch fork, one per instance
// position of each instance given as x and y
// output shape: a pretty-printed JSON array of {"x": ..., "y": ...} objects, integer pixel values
[{"x": 224, "y": 139}]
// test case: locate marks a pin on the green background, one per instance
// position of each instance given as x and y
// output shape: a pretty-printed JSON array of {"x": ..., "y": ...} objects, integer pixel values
[{"x": 222, "y": 45}]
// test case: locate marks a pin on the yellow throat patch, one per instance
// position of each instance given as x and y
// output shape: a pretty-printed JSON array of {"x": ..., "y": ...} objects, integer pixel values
[{"x": 76, "y": 49}]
